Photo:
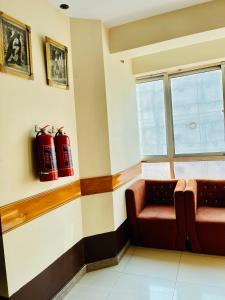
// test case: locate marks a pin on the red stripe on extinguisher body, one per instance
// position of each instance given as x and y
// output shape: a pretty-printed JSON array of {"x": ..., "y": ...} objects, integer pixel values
[{"x": 63, "y": 154}]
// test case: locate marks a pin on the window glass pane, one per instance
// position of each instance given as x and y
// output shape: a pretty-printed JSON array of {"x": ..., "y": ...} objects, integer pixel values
[
  {"x": 156, "y": 170},
  {"x": 200, "y": 169},
  {"x": 151, "y": 113},
  {"x": 198, "y": 117}
]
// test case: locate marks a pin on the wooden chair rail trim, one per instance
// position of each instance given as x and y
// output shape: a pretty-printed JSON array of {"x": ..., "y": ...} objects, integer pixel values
[
  {"x": 105, "y": 184},
  {"x": 123, "y": 177},
  {"x": 23, "y": 211}
]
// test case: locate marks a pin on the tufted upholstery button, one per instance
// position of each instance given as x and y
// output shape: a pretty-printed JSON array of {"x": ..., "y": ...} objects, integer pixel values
[
  {"x": 206, "y": 201},
  {"x": 205, "y": 187},
  {"x": 215, "y": 187},
  {"x": 153, "y": 187}
]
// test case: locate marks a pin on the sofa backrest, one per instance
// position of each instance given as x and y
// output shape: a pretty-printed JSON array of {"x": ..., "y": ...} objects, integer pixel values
[
  {"x": 160, "y": 191},
  {"x": 211, "y": 193}
]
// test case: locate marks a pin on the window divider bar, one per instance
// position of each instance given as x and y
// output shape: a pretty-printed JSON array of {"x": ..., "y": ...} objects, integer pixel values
[
  {"x": 223, "y": 87},
  {"x": 169, "y": 123}
]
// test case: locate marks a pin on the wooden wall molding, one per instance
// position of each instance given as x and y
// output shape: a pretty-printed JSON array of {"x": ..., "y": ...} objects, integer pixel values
[
  {"x": 20, "y": 212},
  {"x": 23, "y": 211},
  {"x": 110, "y": 183}
]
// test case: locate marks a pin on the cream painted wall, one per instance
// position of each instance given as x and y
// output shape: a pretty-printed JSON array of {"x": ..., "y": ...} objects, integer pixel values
[
  {"x": 31, "y": 248},
  {"x": 194, "y": 54},
  {"x": 122, "y": 111},
  {"x": 97, "y": 213},
  {"x": 104, "y": 212},
  {"x": 106, "y": 120},
  {"x": 92, "y": 121},
  {"x": 184, "y": 22},
  {"x": 90, "y": 95},
  {"x": 122, "y": 123},
  {"x": 25, "y": 103},
  {"x": 34, "y": 246}
]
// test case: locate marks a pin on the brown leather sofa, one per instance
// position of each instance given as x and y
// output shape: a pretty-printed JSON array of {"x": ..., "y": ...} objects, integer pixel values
[
  {"x": 205, "y": 215},
  {"x": 156, "y": 215}
]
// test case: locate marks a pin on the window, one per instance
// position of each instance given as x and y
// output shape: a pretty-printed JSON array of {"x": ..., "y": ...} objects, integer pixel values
[
  {"x": 151, "y": 113},
  {"x": 181, "y": 119},
  {"x": 199, "y": 169},
  {"x": 156, "y": 170},
  {"x": 198, "y": 118}
]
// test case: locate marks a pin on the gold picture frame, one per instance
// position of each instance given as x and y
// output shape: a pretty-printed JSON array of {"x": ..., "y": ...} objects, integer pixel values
[
  {"x": 15, "y": 47},
  {"x": 56, "y": 64}
]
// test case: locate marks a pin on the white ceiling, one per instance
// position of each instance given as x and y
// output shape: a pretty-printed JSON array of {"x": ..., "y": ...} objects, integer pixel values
[{"x": 116, "y": 12}]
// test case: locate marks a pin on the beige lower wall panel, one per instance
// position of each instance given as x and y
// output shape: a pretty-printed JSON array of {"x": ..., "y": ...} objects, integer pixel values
[
  {"x": 31, "y": 248},
  {"x": 119, "y": 203},
  {"x": 97, "y": 212}
]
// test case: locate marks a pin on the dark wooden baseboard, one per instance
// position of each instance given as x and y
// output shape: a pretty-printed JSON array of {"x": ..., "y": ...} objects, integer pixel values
[
  {"x": 3, "y": 276},
  {"x": 48, "y": 283},
  {"x": 106, "y": 245},
  {"x": 90, "y": 249}
]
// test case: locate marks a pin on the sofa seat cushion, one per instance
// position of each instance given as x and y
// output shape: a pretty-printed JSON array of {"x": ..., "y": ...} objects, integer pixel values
[
  {"x": 157, "y": 227},
  {"x": 210, "y": 226},
  {"x": 210, "y": 214},
  {"x": 158, "y": 212}
]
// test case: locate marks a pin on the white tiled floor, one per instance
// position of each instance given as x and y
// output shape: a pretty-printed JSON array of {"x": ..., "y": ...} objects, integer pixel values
[{"x": 152, "y": 274}]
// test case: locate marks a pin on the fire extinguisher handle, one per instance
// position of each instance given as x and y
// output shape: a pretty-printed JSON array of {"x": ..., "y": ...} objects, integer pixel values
[
  {"x": 59, "y": 131},
  {"x": 42, "y": 130}
]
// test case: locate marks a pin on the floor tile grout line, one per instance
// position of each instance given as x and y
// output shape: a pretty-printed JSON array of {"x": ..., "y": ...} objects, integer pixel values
[
  {"x": 111, "y": 289},
  {"x": 133, "y": 252},
  {"x": 120, "y": 273},
  {"x": 178, "y": 268}
]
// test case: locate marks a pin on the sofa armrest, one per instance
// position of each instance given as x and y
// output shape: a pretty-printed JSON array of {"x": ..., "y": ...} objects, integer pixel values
[
  {"x": 191, "y": 195},
  {"x": 180, "y": 213},
  {"x": 135, "y": 197},
  {"x": 191, "y": 210},
  {"x": 181, "y": 185},
  {"x": 135, "y": 201}
]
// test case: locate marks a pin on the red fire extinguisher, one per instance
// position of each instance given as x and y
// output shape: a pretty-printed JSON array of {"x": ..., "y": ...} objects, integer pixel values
[
  {"x": 46, "y": 154},
  {"x": 63, "y": 154}
]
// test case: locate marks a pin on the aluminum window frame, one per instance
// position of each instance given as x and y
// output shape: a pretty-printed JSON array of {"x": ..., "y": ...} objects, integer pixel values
[{"x": 171, "y": 157}]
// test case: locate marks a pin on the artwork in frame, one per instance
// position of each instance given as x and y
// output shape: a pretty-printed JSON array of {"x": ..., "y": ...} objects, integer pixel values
[
  {"x": 15, "y": 47},
  {"x": 57, "y": 64}
]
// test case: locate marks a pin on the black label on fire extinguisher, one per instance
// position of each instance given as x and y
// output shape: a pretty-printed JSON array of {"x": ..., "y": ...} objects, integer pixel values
[
  {"x": 48, "y": 159},
  {"x": 67, "y": 156}
]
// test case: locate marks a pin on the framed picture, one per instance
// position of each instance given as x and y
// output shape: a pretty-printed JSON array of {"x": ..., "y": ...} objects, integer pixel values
[
  {"x": 15, "y": 47},
  {"x": 57, "y": 64}
]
